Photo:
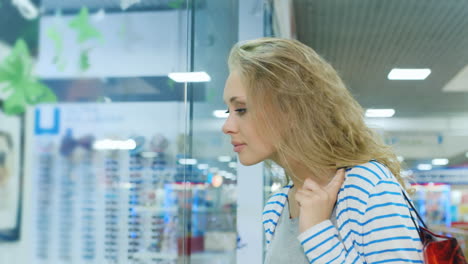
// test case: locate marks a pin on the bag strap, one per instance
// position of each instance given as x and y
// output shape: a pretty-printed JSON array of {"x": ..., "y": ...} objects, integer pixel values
[{"x": 414, "y": 209}]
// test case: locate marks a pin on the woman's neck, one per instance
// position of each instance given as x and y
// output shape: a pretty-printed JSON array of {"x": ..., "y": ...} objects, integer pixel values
[{"x": 299, "y": 173}]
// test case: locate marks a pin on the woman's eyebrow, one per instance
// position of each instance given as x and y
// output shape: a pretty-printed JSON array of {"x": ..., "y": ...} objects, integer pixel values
[{"x": 236, "y": 99}]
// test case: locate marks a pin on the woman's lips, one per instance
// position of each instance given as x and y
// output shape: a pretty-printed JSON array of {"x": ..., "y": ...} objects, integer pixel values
[{"x": 239, "y": 147}]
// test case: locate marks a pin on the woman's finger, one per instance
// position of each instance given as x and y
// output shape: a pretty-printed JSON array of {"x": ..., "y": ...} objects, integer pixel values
[
  {"x": 299, "y": 196},
  {"x": 311, "y": 185},
  {"x": 305, "y": 193},
  {"x": 335, "y": 184}
]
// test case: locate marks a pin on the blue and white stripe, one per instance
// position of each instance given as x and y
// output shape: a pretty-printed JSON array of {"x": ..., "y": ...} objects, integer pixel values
[{"x": 373, "y": 222}]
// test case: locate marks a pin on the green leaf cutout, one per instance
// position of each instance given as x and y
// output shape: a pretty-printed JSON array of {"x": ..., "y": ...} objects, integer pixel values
[
  {"x": 84, "y": 60},
  {"x": 23, "y": 87},
  {"x": 57, "y": 39},
  {"x": 17, "y": 65},
  {"x": 176, "y": 4},
  {"x": 83, "y": 27},
  {"x": 171, "y": 84}
]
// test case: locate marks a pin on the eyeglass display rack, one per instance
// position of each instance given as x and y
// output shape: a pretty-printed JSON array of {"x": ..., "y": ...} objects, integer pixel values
[{"x": 98, "y": 205}]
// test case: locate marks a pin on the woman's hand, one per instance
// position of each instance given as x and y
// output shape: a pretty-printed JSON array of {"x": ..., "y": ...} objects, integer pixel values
[{"x": 316, "y": 202}]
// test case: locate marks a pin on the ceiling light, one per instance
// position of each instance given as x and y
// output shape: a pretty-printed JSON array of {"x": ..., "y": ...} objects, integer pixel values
[
  {"x": 109, "y": 144},
  {"x": 149, "y": 154},
  {"x": 182, "y": 77},
  {"x": 126, "y": 185},
  {"x": 440, "y": 162},
  {"x": 408, "y": 74},
  {"x": 187, "y": 161},
  {"x": 466, "y": 154},
  {"x": 400, "y": 158},
  {"x": 407, "y": 173},
  {"x": 224, "y": 159},
  {"x": 380, "y": 112},
  {"x": 202, "y": 166},
  {"x": 220, "y": 113},
  {"x": 228, "y": 175},
  {"x": 424, "y": 167}
]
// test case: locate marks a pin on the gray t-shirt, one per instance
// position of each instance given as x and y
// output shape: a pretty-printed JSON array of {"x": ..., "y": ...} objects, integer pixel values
[{"x": 285, "y": 248}]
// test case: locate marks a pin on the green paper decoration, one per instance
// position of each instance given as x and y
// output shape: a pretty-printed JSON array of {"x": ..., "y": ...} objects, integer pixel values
[
  {"x": 171, "y": 84},
  {"x": 56, "y": 37},
  {"x": 24, "y": 88},
  {"x": 84, "y": 60},
  {"x": 82, "y": 25},
  {"x": 176, "y": 4}
]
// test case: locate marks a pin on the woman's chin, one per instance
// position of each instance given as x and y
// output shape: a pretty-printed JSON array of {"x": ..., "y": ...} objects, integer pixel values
[{"x": 248, "y": 162}]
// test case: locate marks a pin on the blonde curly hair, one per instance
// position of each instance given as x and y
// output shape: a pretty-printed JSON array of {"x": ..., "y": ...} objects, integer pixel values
[{"x": 300, "y": 99}]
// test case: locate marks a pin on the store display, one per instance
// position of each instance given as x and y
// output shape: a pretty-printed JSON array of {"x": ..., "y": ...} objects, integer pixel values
[
  {"x": 97, "y": 201},
  {"x": 114, "y": 197},
  {"x": 433, "y": 203},
  {"x": 43, "y": 197},
  {"x": 123, "y": 195},
  {"x": 111, "y": 210}
]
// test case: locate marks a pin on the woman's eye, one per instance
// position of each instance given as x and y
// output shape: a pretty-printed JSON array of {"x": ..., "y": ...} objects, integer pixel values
[{"x": 241, "y": 111}]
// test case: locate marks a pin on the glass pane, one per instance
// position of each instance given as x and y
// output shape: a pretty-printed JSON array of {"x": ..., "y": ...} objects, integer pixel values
[
  {"x": 365, "y": 41},
  {"x": 213, "y": 219},
  {"x": 428, "y": 128},
  {"x": 104, "y": 127}
]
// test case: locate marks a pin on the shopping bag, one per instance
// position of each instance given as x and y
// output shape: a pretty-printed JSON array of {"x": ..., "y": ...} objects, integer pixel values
[{"x": 437, "y": 249}]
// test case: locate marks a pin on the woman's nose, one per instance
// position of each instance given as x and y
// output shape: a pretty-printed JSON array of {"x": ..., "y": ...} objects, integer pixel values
[{"x": 229, "y": 126}]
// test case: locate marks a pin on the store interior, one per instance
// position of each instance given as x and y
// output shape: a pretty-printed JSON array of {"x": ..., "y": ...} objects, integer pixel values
[{"x": 108, "y": 157}]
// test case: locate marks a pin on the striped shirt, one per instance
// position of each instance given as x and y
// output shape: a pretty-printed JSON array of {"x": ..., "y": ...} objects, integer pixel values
[{"x": 373, "y": 222}]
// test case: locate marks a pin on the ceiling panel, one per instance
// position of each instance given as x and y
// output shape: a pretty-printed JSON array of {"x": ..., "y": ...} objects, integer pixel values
[{"x": 365, "y": 39}]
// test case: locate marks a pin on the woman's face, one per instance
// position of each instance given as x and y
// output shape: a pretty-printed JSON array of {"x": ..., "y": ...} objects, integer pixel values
[{"x": 251, "y": 147}]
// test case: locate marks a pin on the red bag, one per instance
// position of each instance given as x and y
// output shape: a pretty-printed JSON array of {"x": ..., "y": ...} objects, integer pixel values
[
  {"x": 437, "y": 249},
  {"x": 440, "y": 249}
]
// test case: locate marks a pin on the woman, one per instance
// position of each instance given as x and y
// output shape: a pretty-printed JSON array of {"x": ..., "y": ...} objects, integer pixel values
[{"x": 288, "y": 105}]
